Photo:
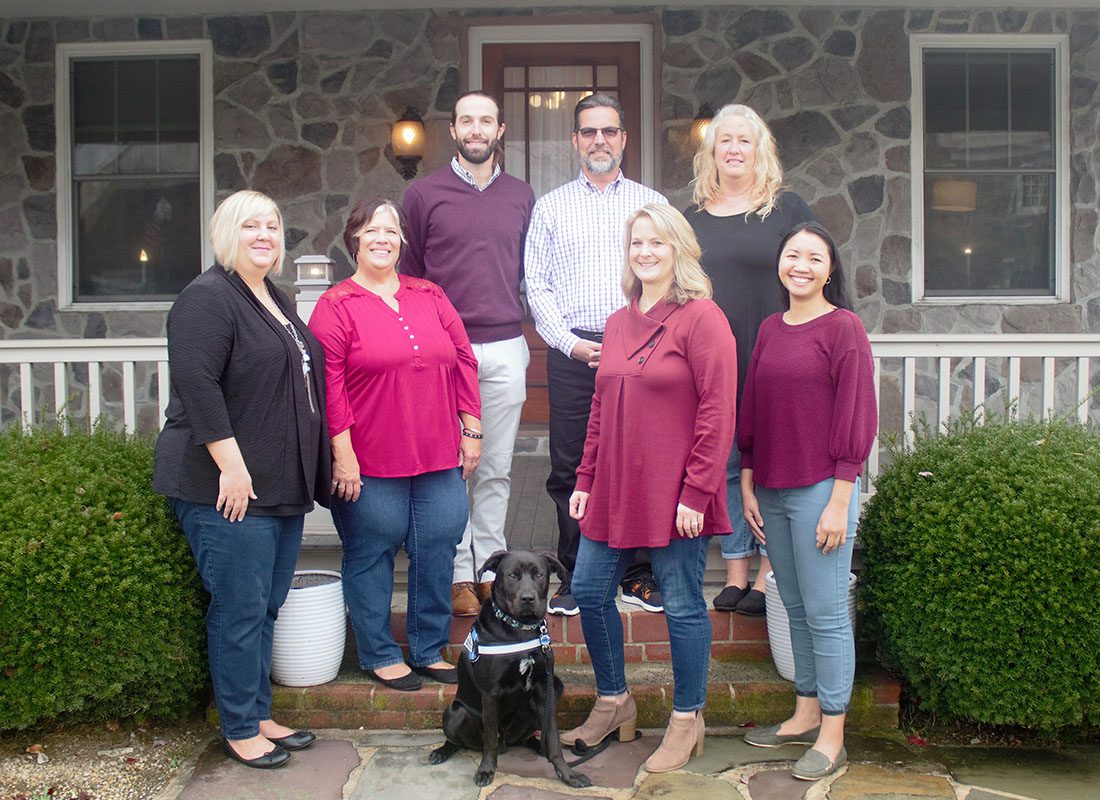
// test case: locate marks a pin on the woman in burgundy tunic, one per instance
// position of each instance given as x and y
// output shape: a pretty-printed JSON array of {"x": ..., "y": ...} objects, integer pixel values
[
  {"x": 808, "y": 421},
  {"x": 405, "y": 421},
  {"x": 653, "y": 473}
]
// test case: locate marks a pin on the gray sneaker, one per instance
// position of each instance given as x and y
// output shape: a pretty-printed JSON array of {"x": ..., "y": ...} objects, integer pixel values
[
  {"x": 770, "y": 736},
  {"x": 562, "y": 603},
  {"x": 815, "y": 765}
]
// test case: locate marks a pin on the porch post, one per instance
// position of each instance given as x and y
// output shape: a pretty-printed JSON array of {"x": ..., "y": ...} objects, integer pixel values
[{"x": 314, "y": 277}]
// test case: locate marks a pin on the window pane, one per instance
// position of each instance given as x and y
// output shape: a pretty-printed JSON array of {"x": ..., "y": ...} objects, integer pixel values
[
  {"x": 178, "y": 100},
  {"x": 515, "y": 162},
  {"x": 1002, "y": 246},
  {"x": 607, "y": 76},
  {"x": 554, "y": 77},
  {"x": 1032, "y": 78},
  {"x": 136, "y": 239},
  {"x": 551, "y": 123},
  {"x": 945, "y": 109},
  {"x": 137, "y": 101},
  {"x": 513, "y": 77}
]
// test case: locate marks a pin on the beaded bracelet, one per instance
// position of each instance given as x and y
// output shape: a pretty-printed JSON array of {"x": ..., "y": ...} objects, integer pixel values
[{"x": 470, "y": 433}]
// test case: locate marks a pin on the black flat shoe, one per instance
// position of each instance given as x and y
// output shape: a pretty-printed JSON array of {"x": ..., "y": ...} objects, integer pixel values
[
  {"x": 752, "y": 604},
  {"x": 299, "y": 740},
  {"x": 269, "y": 760},
  {"x": 438, "y": 674},
  {"x": 406, "y": 683},
  {"x": 729, "y": 597}
]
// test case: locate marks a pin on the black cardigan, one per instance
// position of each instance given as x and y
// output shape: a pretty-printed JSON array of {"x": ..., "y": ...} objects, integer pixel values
[{"x": 237, "y": 373}]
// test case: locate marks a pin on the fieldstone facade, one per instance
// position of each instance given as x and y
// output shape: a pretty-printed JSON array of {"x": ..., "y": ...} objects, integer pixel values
[{"x": 303, "y": 104}]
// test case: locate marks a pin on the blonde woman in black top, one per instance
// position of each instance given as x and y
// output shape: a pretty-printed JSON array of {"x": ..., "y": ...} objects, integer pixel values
[{"x": 243, "y": 456}]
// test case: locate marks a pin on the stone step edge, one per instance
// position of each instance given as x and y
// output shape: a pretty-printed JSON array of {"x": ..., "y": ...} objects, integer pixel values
[{"x": 368, "y": 705}]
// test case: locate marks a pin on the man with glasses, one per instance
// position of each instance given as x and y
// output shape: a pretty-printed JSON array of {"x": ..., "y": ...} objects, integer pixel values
[
  {"x": 574, "y": 261},
  {"x": 466, "y": 224}
]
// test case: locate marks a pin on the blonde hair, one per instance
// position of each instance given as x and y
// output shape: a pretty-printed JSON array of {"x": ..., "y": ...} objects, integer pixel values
[
  {"x": 689, "y": 280},
  {"x": 767, "y": 172},
  {"x": 232, "y": 213}
]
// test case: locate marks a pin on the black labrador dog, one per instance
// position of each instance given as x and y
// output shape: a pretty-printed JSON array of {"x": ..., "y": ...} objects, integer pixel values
[{"x": 507, "y": 689}]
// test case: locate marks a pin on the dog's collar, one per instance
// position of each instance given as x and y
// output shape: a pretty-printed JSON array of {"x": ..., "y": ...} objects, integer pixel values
[
  {"x": 512, "y": 622},
  {"x": 475, "y": 649}
]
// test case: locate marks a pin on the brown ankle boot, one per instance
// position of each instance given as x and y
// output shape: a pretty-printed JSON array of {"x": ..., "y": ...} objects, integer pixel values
[
  {"x": 683, "y": 738},
  {"x": 604, "y": 718}
]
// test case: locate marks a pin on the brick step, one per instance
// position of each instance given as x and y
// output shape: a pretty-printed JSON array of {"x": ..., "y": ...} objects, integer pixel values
[{"x": 738, "y": 692}]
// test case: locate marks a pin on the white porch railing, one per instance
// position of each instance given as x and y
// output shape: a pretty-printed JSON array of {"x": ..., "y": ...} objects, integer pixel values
[{"x": 936, "y": 375}]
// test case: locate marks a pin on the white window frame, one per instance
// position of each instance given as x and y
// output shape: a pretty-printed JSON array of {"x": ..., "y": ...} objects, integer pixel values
[
  {"x": 642, "y": 33},
  {"x": 66, "y": 53},
  {"x": 1057, "y": 43}
]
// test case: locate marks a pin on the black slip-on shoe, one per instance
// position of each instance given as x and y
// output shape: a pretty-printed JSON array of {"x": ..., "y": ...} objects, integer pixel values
[
  {"x": 440, "y": 674},
  {"x": 753, "y": 604},
  {"x": 269, "y": 760},
  {"x": 406, "y": 683},
  {"x": 299, "y": 740},
  {"x": 729, "y": 597}
]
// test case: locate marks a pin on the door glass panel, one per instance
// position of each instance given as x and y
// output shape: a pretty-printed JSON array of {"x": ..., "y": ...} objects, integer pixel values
[
  {"x": 607, "y": 76},
  {"x": 515, "y": 134},
  {"x": 551, "y": 125},
  {"x": 560, "y": 76},
  {"x": 513, "y": 77}
]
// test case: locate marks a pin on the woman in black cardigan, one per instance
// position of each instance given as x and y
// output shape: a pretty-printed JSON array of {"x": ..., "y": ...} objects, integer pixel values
[{"x": 243, "y": 456}]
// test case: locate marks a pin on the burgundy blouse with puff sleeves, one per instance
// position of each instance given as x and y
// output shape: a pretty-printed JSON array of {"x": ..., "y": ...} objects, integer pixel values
[
  {"x": 662, "y": 422},
  {"x": 397, "y": 379}
]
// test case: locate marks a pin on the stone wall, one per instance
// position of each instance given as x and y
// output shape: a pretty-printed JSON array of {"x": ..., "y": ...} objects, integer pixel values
[{"x": 303, "y": 104}]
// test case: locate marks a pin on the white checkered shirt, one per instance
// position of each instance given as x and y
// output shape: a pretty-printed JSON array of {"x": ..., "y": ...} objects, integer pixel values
[{"x": 574, "y": 255}]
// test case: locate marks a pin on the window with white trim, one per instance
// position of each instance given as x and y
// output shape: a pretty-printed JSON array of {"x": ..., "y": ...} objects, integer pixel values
[
  {"x": 989, "y": 153},
  {"x": 132, "y": 141}
]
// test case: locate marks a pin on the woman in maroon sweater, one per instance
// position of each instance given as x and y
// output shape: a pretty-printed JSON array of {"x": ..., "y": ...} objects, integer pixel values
[
  {"x": 653, "y": 473},
  {"x": 807, "y": 424}
]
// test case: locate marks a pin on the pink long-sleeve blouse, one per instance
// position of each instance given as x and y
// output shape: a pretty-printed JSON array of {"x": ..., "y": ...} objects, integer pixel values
[{"x": 396, "y": 379}]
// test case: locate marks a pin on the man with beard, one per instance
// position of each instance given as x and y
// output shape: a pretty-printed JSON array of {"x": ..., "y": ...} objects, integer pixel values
[
  {"x": 574, "y": 259},
  {"x": 466, "y": 224}
]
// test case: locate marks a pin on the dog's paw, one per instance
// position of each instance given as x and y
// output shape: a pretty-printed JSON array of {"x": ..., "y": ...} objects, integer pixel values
[
  {"x": 483, "y": 777},
  {"x": 439, "y": 755},
  {"x": 577, "y": 780}
]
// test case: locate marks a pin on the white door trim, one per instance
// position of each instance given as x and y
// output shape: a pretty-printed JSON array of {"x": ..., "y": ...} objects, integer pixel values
[{"x": 480, "y": 35}]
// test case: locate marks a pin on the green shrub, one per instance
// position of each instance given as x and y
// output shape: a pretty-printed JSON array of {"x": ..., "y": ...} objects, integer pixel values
[
  {"x": 101, "y": 608},
  {"x": 981, "y": 575}
]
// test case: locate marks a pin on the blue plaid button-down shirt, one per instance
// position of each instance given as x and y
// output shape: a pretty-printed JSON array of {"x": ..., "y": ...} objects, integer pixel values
[{"x": 574, "y": 256}]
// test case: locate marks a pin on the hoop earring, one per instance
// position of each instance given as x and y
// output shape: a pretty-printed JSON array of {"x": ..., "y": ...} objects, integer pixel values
[{"x": 829, "y": 279}]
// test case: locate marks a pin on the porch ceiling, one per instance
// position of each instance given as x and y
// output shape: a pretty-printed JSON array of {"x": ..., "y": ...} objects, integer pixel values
[{"x": 81, "y": 8}]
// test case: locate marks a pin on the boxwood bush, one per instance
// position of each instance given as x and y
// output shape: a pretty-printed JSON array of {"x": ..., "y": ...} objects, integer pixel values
[
  {"x": 101, "y": 608},
  {"x": 981, "y": 576}
]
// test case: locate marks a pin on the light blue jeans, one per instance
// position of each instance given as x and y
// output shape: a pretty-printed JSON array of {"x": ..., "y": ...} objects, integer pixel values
[
  {"x": 740, "y": 543},
  {"x": 679, "y": 571},
  {"x": 814, "y": 588}
]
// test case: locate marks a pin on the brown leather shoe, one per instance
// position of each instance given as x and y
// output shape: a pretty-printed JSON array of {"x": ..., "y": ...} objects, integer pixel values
[
  {"x": 464, "y": 601},
  {"x": 683, "y": 739},
  {"x": 484, "y": 591}
]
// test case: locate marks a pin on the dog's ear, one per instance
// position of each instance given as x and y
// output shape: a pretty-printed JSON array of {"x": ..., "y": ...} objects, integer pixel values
[
  {"x": 556, "y": 566},
  {"x": 491, "y": 563}
]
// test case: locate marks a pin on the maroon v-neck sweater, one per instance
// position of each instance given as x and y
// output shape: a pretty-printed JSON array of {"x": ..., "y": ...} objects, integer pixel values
[{"x": 470, "y": 242}]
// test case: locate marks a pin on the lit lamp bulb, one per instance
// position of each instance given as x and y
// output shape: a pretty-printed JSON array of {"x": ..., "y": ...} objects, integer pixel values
[
  {"x": 968, "y": 251},
  {"x": 143, "y": 257},
  {"x": 700, "y": 124},
  {"x": 407, "y": 141}
]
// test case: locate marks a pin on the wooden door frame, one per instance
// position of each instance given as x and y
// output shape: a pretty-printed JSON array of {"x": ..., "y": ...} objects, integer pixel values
[{"x": 642, "y": 29}]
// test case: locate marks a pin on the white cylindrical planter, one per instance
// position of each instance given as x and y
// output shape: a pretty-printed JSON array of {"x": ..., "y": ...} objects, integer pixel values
[
  {"x": 779, "y": 628},
  {"x": 310, "y": 631}
]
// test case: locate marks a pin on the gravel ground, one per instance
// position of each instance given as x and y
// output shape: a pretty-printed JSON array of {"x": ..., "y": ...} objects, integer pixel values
[{"x": 95, "y": 762}]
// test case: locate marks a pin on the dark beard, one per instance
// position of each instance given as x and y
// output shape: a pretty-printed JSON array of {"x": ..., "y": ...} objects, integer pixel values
[{"x": 473, "y": 158}]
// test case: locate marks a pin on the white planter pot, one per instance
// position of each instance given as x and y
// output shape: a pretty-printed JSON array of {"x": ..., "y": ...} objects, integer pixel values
[
  {"x": 310, "y": 631},
  {"x": 779, "y": 629}
]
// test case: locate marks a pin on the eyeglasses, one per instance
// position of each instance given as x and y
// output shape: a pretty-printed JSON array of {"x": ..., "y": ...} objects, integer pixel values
[{"x": 608, "y": 133}]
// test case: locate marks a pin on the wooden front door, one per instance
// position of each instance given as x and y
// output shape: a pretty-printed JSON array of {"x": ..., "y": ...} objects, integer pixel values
[{"x": 539, "y": 85}]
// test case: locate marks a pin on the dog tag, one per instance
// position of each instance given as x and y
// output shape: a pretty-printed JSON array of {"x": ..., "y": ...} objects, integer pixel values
[{"x": 471, "y": 644}]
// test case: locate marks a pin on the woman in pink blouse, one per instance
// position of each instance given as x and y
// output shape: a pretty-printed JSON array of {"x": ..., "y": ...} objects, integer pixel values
[
  {"x": 653, "y": 473},
  {"x": 404, "y": 413}
]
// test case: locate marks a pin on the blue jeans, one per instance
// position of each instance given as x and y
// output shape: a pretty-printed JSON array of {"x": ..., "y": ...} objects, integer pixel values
[
  {"x": 814, "y": 588},
  {"x": 424, "y": 513},
  {"x": 741, "y": 543},
  {"x": 247, "y": 568},
  {"x": 679, "y": 571}
]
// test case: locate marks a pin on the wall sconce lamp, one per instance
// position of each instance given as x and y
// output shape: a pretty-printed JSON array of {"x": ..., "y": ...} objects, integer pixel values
[
  {"x": 407, "y": 140},
  {"x": 954, "y": 195},
  {"x": 700, "y": 124}
]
